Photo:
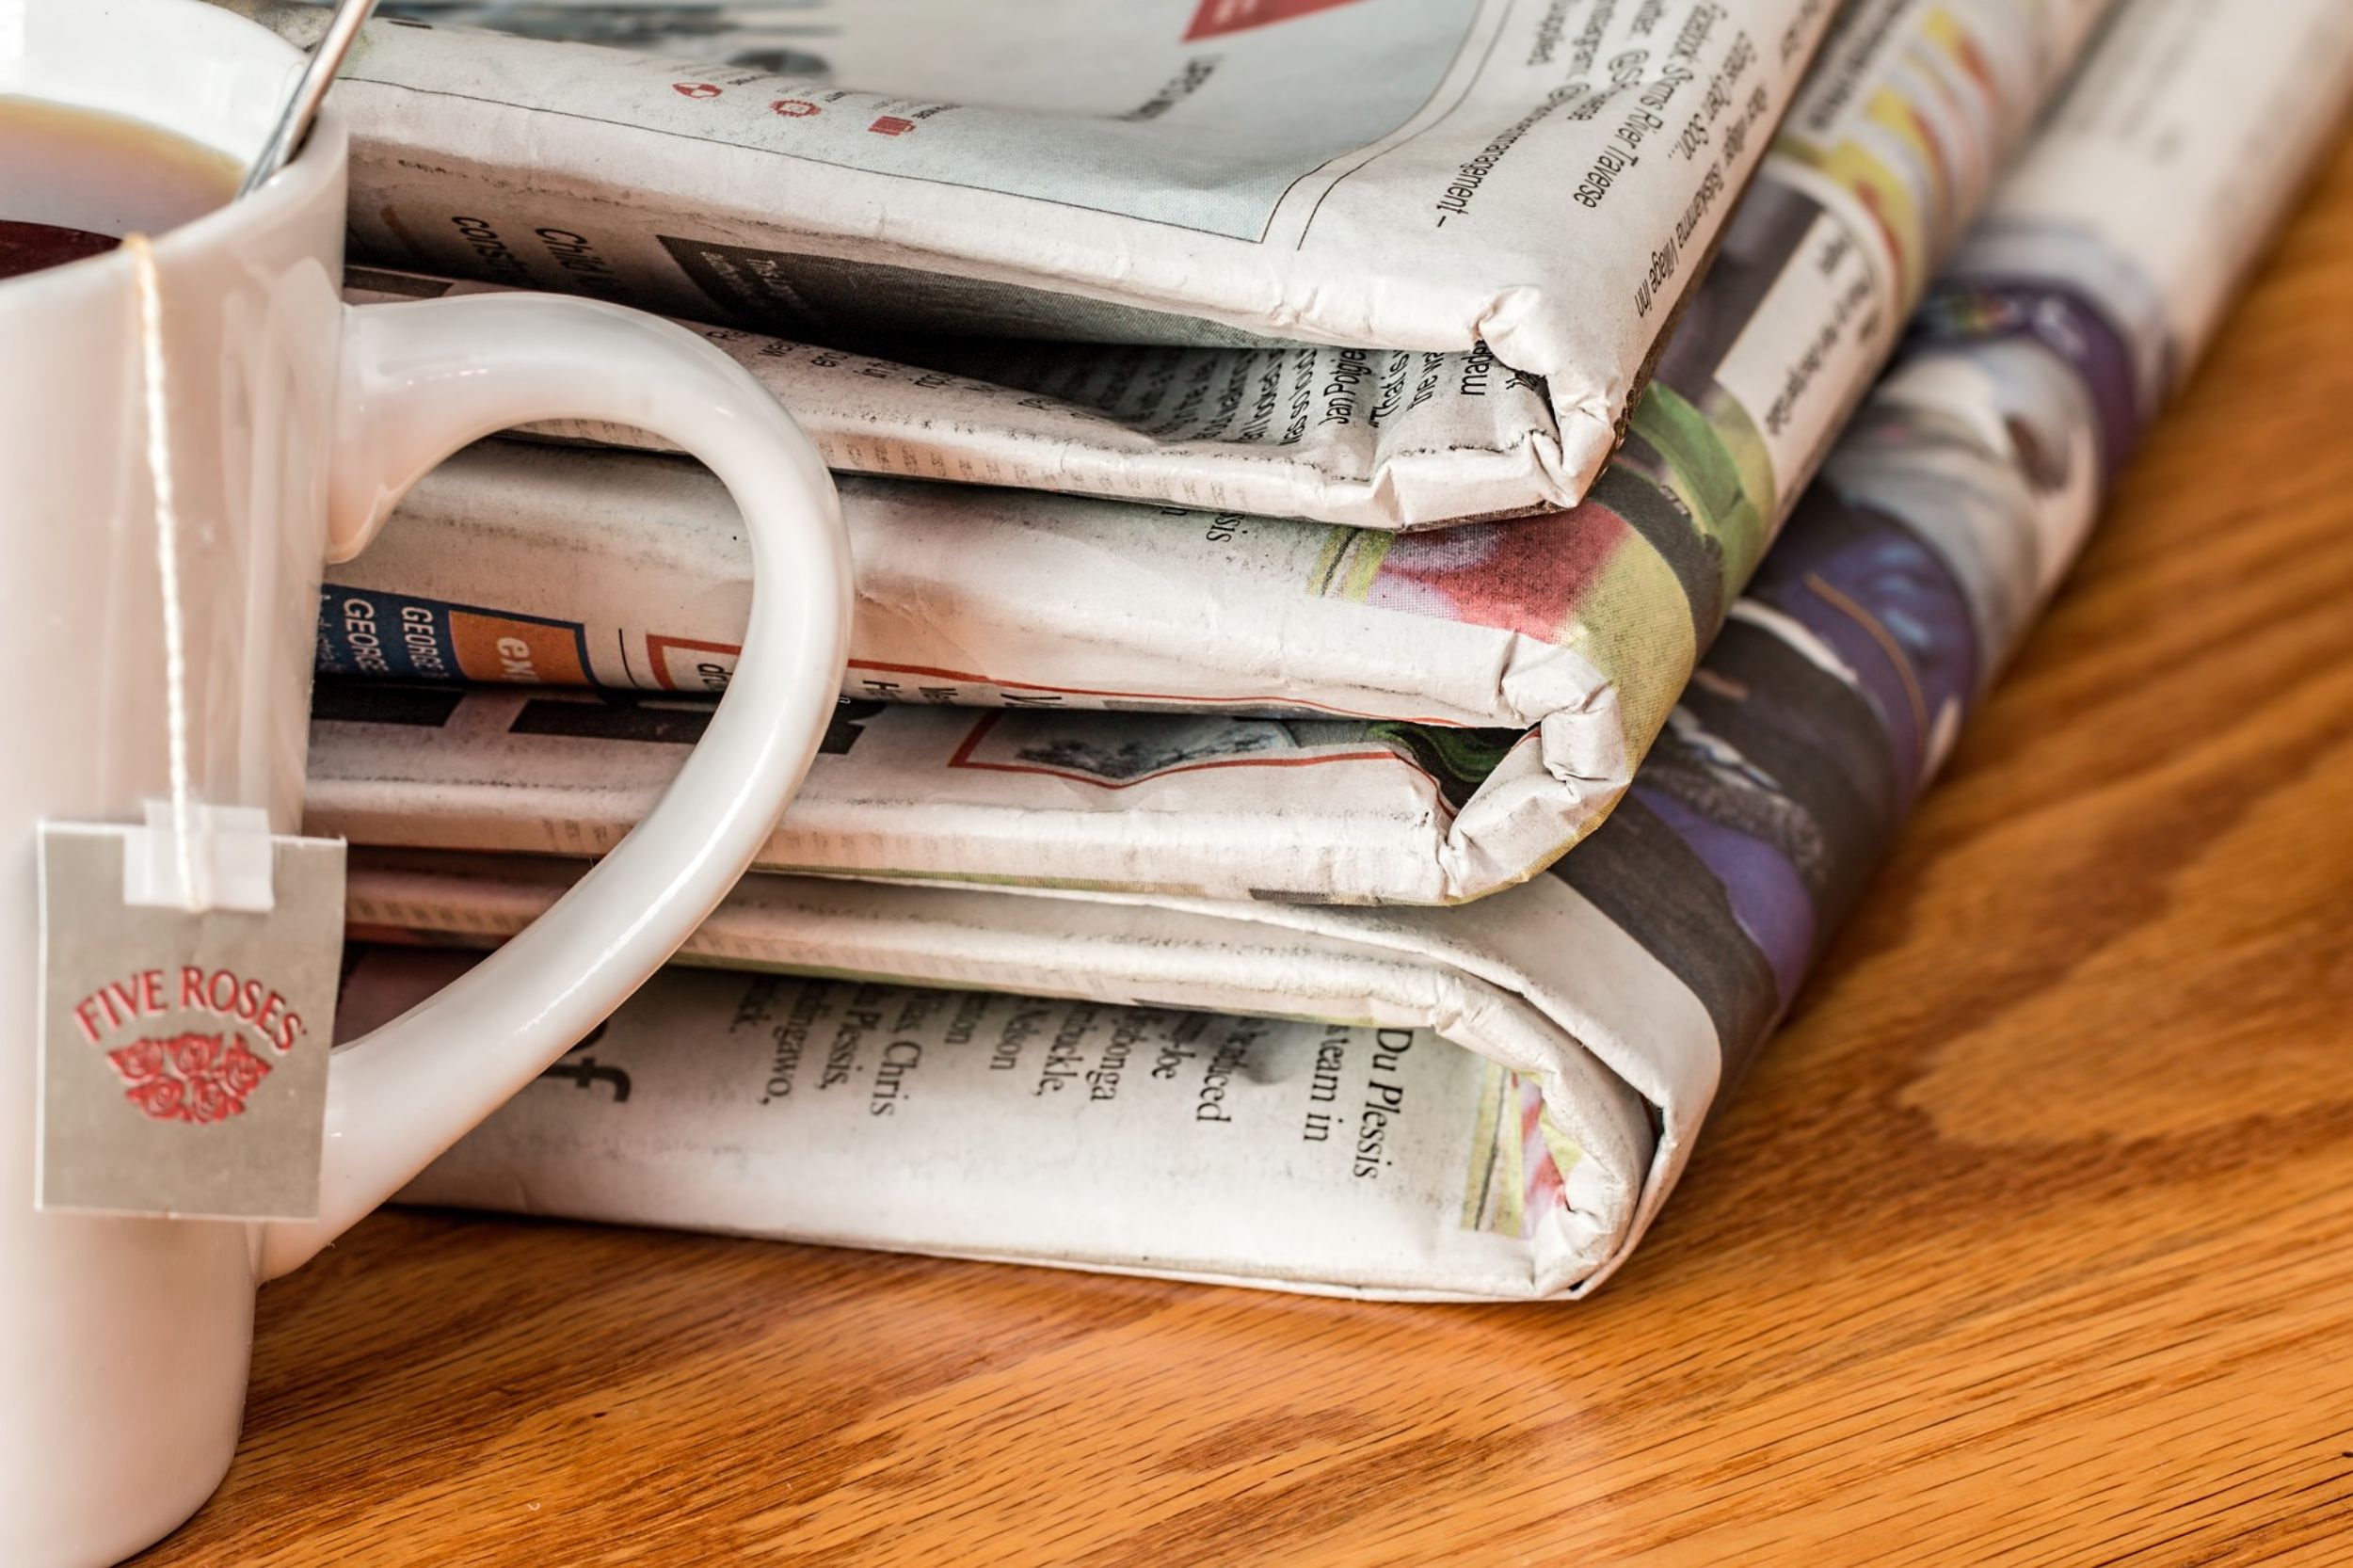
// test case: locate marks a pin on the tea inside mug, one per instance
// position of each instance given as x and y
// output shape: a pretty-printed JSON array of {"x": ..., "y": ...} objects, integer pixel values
[{"x": 74, "y": 180}]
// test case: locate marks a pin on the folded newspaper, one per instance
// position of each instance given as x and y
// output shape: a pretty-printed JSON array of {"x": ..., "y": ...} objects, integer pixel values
[
  {"x": 1387, "y": 440},
  {"x": 1483, "y": 1102},
  {"x": 1571, "y": 632},
  {"x": 1439, "y": 193}
]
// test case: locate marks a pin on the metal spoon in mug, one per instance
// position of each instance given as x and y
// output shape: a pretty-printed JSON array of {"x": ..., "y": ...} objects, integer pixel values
[{"x": 294, "y": 126}]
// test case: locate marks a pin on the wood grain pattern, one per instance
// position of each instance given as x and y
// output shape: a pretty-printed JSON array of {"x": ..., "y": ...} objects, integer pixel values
[{"x": 2031, "y": 1240}]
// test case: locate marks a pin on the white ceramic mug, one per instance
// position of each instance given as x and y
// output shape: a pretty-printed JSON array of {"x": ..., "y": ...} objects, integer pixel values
[{"x": 296, "y": 425}]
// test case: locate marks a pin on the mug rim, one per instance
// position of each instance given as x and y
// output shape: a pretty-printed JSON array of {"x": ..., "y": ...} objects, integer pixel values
[
  {"x": 318, "y": 165},
  {"x": 288, "y": 191}
]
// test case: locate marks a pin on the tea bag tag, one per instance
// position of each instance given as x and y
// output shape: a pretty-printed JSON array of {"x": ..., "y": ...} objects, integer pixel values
[
  {"x": 185, "y": 1030},
  {"x": 189, "y": 964}
]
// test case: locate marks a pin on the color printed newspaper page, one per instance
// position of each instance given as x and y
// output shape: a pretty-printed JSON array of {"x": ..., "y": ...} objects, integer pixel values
[
  {"x": 1379, "y": 439},
  {"x": 1531, "y": 185},
  {"x": 1569, "y": 632},
  {"x": 1490, "y": 1102}
]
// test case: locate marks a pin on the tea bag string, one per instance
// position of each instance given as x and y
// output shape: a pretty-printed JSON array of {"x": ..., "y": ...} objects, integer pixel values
[{"x": 194, "y": 892}]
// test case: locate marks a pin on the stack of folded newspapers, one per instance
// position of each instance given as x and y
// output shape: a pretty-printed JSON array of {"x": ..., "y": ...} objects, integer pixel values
[{"x": 1332, "y": 784}]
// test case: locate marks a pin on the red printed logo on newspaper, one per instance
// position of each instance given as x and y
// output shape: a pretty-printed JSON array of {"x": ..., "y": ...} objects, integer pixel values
[
  {"x": 683, "y": 664},
  {"x": 202, "y": 1075},
  {"x": 1218, "y": 17},
  {"x": 891, "y": 125},
  {"x": 696, "y": 89},
  {"x": 794, "y": 108}
]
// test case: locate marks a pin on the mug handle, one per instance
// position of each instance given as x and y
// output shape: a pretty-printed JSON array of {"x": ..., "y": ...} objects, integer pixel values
[{"x": 419, "y": 382}]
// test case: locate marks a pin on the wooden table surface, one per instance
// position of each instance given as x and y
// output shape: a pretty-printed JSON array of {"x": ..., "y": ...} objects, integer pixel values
[{"x": 2031, "y": 1240}]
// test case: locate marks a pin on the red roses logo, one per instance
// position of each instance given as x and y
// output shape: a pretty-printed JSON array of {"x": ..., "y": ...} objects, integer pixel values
[
  {"x": 189, "y": 1078},
  {"x": 196, "y": 1076}
]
